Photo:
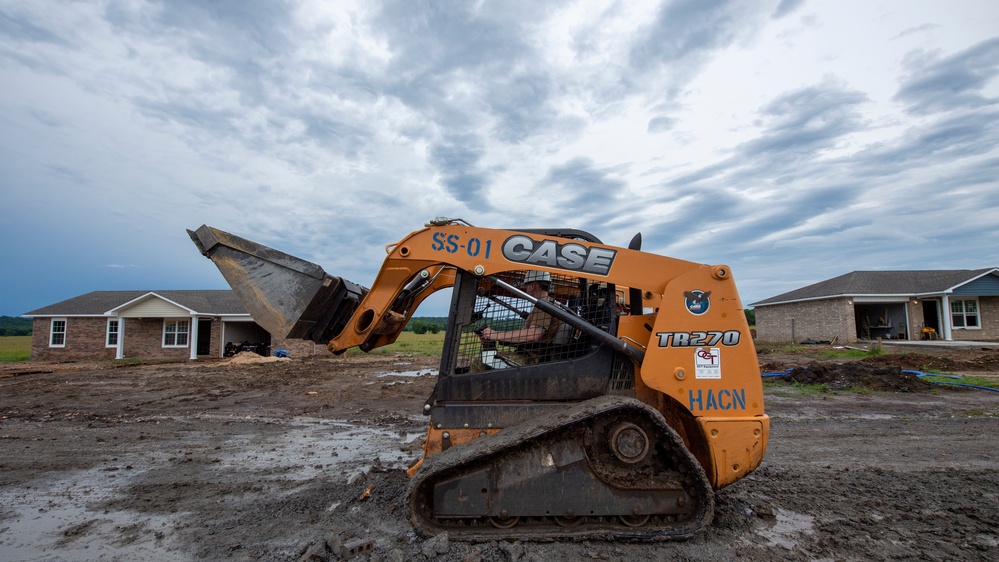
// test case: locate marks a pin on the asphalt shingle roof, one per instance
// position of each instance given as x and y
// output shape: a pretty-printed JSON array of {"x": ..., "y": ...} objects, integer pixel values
[
  {"x": 98, "y": 302},
  {"x": 916, "y": 282}
]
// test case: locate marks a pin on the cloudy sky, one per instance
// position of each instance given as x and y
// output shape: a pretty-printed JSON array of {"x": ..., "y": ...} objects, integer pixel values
[{"x": 794, "y": 140}]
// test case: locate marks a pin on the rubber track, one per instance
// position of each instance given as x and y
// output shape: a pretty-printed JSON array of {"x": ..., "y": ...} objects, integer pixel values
[{"x": 473, "y": 454}]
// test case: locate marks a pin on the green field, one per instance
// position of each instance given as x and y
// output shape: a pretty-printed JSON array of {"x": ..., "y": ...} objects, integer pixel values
[
  {"x": 15, "y": 348},
  {"x": 425, "y": 345},
  {"x": 18, "y": 348}
]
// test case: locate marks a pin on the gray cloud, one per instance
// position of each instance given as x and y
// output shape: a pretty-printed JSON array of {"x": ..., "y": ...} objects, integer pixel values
[
  {"x": 18, "y": 27},
  {"x": 232, "y": 33},
  {"x": 458, "y": 161},
  {"x": 583, "y": 184},
  {"x": 452, "y": 47},
  {"x": 917, "y": 29},
  {"x": 787, "y": 7},
  {"x": 686, "y": 31},
  {"x": 806, "y": 120},
  {"x": 937, "y": 83},
  {"x": 945, "y": 139},
  {"x": 521, "y": 103},
  {"x": 661, "y": 124}
]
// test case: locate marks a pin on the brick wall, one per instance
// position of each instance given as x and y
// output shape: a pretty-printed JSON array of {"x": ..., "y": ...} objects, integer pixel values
[
  {"x": 988, "y": 317},
  {"x": 85, "y": 339},
  {"x": 816, "y": 320},
  {"x": 916, "y": 320},
  {"x": 144, "y": 339},
  {"x": 217, "y": 344}
]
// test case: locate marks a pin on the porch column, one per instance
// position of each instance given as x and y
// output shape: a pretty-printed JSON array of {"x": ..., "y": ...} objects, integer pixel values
[
  {"x": 945, "y": 313},
  {"x": 193, "y": 338},
  {"x": 908, "y": 321},
  {"x": 119, "y": 352}
]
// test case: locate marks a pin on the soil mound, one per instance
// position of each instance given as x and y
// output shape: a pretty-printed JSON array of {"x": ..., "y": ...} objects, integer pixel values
[
  {"x": 248, "y": 357},
  {"x": 842, "y": 376},
  {"x": 968, "y": 361}
]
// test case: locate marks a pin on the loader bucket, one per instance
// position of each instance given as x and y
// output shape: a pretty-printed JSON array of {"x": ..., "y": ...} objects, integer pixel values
[{"x": 288, "y": 296}]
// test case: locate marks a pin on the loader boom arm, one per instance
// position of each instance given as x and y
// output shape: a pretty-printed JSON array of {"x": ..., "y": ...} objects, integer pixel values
[
  {"x": 486, "y": 252},
  {"x": 295, "y": 298}
]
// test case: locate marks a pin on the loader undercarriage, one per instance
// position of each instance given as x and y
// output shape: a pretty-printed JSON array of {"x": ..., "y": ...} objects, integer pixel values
[{"x": 606, "y": 467}]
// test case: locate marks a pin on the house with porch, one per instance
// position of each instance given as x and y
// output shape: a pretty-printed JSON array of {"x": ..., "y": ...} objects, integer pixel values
[
  {"x": 151, "y": 325},
  {"x": 955, "y": 305}
]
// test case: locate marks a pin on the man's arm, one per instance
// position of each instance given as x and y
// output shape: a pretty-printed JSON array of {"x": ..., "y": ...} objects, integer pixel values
[{"x": 527, "y": 334}]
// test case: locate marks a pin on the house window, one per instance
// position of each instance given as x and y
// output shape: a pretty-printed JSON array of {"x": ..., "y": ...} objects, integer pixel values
[
  {"x": 964, "y": 313},
  {"x": 57, "y": 333},
  {"x": 112, "y": 338},
  {"x": 175, "y": 333}
]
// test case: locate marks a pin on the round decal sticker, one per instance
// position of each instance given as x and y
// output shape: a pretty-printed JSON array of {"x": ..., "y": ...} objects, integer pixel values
[{"x": 697, "y": 301}]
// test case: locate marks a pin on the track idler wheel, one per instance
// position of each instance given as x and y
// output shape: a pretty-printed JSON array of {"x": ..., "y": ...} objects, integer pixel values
[{"x": 629, "y": 442}]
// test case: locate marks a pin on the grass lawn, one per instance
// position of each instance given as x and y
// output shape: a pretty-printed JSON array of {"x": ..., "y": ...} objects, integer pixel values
[
  {"x": 428, "y": 345},
  {"x": 18, "y": 348},
  {"x": 15, "y": 348}
]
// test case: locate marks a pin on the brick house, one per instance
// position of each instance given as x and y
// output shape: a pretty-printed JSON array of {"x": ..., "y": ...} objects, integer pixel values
[
  {"x": 149, "y": 325},
  {"x": 959, "y": 305}
]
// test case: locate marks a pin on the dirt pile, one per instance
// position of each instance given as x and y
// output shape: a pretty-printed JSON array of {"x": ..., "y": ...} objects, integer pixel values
[
  {"x": 249, "y": 357},
  {"x": 959, "y": 360},
  {"x": 843, "y": 376}
]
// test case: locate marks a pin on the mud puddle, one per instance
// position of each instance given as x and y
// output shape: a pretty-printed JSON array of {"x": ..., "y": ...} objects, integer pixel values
[
  {"x": 136, "y": 505},
  {"x": 326, "y": 445},
  {"x": 56, "y": 519}
]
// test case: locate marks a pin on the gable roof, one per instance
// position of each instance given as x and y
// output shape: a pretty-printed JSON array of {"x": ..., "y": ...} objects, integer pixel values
[
  {"x": 100, "y": 303},
  {"x": 883, "y": 283}
]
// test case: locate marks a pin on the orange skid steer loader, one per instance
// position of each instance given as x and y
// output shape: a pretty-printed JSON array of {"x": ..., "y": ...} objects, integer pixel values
[{"x": 585, "y": 390}]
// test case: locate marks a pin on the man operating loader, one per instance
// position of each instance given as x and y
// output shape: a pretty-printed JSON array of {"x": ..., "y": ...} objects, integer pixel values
[{"x": 539, "y": 328}]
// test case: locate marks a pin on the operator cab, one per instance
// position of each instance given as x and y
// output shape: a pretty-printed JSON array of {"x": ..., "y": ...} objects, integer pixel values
[{"x": 503, "y": 382}]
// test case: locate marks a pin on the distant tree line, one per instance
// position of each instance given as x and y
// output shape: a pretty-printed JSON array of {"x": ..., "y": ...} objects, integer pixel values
[
  {"x": 426, "y": 325},
  {"x": 14, "y": 326}
]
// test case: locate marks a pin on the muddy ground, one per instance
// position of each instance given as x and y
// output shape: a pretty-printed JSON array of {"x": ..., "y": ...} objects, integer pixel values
[{"x": 299, "y": 459}]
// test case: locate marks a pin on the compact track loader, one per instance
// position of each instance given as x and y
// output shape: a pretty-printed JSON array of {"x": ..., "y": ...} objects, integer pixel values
[{"x": 613, "y": 403}]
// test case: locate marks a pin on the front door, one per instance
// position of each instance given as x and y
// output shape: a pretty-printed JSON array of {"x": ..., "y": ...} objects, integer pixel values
[
  {"x": 931, "y": 318},
  {"x": 204, "y": 337}
]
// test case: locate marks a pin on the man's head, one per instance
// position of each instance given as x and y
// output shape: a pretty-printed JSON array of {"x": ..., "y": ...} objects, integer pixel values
[{"x": 535, "y": 281}]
